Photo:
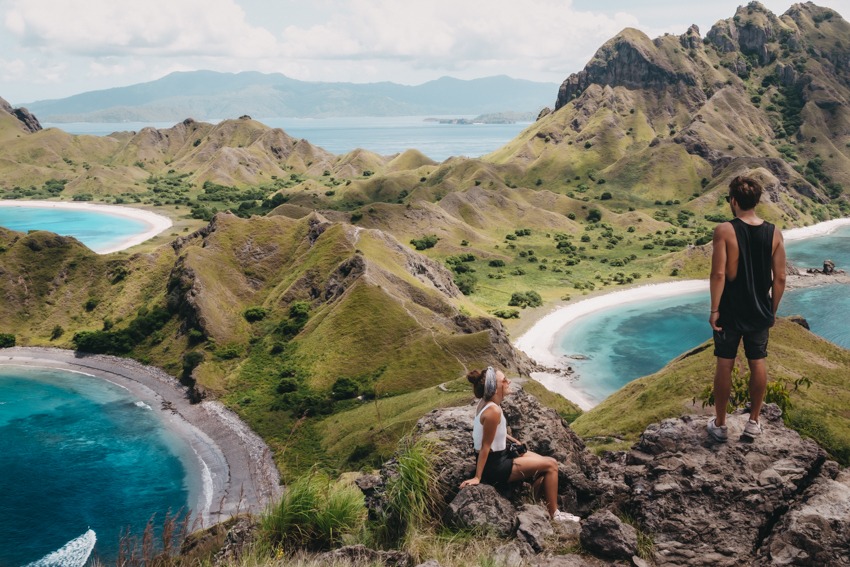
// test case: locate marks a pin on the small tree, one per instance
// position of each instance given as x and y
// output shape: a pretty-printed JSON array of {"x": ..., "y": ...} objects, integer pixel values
[{"x": 7, "y": 340}]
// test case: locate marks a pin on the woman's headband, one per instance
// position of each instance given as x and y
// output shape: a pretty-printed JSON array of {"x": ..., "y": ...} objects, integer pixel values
[{"x": 489, "y": 383}]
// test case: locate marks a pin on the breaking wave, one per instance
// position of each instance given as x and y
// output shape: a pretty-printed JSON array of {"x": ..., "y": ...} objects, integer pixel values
[{"x": 75, "y": 553}]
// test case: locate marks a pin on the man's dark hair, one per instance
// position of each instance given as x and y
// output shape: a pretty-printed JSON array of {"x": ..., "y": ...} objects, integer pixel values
[{"x": 746, "y": 191}]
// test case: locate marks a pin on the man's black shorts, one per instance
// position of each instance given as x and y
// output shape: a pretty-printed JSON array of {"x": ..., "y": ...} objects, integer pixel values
[{"x": 755, "y": 344}]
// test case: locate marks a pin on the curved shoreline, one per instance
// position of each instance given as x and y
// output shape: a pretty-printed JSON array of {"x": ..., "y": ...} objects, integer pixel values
[
  {"x": 538, "y": 342},
  {"x": 155, "y": 223},
  {"x": 231, "y": 464}
]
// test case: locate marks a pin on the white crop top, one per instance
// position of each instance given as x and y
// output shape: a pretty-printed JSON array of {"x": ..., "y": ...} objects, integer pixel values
[{"x": 500, "y": 440}]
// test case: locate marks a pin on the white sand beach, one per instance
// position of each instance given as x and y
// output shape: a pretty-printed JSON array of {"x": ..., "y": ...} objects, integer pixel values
[
  {"x": 231, "y": 469},
  {"x": 155, "y": 223},
  {"x": 818, "y": 229},
  {"x": 538, "y": 342}
]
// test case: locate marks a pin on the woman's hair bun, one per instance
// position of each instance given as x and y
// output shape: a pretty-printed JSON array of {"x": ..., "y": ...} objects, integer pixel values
[{"x": 475, "y": 376}]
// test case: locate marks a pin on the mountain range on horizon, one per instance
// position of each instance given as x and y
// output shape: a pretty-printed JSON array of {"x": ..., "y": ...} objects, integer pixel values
[{"x": 211, "y": 95}]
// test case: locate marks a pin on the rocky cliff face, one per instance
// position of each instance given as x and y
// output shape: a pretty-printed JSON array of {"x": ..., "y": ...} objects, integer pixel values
[
  {"x": 758, "y": 91},
  {"x": 775, "y": 501},
  {"x": 28, "y": 122}
]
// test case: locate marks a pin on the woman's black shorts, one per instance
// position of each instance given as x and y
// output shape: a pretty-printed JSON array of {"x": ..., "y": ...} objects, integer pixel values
[{"x": 497, "y": 469}]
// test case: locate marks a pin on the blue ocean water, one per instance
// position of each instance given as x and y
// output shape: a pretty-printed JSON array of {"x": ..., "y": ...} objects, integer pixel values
[
  {"x": 76, "y": 452},
  {"x": 97, "y": 230},
  {"x": 633, "y": 340},
  {"x": 382, "y": 135}
]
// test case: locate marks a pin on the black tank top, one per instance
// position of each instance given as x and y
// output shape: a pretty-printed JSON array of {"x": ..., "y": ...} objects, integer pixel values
[{"x": 746, "y": 305}]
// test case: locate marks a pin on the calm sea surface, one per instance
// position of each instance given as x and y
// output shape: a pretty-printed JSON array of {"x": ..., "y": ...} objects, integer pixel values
[
  {"x": 78, "y": 452},
  {"x": 634, "y": 340},
  {"x": 97, "y": 230},
  {"x": 382, "y": 135}
]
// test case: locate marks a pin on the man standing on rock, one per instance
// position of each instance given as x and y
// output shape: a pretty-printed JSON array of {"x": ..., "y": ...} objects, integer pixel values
[{"x": 747, "y": 283}]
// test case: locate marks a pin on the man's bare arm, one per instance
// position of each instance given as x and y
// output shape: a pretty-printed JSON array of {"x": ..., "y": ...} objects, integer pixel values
[
  {"x": 778, "y": 267},
  {"x": 717, "y": 281}
]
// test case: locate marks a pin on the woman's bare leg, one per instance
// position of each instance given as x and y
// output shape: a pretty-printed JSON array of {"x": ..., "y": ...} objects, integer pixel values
[{"x": 537, "y": 468}]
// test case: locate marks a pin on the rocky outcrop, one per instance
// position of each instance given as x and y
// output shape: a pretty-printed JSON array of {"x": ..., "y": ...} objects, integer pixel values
[
  {"x": 775, "y": 501},
  {"x": 29, "y": 123},
  {"x": 630, "y": 60}
]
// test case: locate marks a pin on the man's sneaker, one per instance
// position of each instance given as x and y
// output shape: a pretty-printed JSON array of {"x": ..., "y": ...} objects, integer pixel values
[
  {"x": 752, "y": 429},
  {"x": 719, "y": 432},
  {"x": 565, "y": 517}
]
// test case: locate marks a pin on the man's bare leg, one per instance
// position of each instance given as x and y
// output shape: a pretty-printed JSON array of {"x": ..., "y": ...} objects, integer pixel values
[
  {"x": 723, "y": 388},
  {"x": 758, "y": 386}
]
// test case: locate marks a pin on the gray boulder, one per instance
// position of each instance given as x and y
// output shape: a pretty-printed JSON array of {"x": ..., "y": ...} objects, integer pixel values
[
  {"x": 482, "y": 508},
  {"x": 605, "y": 535},
  {"x": 534, "y": 526},
  {"x": 816, "y": 530},
  {"x": 362, "y": 555}
]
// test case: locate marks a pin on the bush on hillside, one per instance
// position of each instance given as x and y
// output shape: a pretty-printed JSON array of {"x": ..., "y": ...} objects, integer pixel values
[
  {"x": 525, "y": 299},
  {"x": 7, "y": 340},
  {"x": 466, "y": 283},
  {"x": 425, "y": 242},
  {"x": 122, "y": 341},
  {"x": 253, "y": 314},
  {"x": 314, "y": 514}
]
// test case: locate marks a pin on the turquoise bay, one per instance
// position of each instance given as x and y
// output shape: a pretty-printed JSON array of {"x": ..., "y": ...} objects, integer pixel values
[
  {"x": 78, "y": 452},
  {"x": 98, "y": 230}
]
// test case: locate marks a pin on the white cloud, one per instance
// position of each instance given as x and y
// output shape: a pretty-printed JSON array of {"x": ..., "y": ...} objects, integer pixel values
[
  {"x": 153, "y": 27},
  {"x": 452, "y": 34}
]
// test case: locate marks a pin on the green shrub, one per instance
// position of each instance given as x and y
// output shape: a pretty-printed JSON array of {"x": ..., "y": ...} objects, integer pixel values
[
  {"x": 497, "y": 263},
  {"x": 466, "y": 283},
  {"x": 253, "y": 314},
  {"x": 345, "y": 389},
  {"x": 57, "y": 332},
  {"x": 7, "y": 340},
  {"x": 525, "y": 299},
  {"x": 313, "y": 514},
  {"x": 190, "y": 361},
  {"x": 425, "y": 242},
  {"x": 506, "y": 313}
]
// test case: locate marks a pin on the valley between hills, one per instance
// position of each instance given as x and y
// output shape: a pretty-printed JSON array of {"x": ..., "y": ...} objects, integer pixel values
[{"x": 333, "y": 300}]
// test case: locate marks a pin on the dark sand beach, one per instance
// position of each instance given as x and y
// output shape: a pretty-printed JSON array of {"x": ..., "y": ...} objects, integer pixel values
[{"x": 231, "y": 468}]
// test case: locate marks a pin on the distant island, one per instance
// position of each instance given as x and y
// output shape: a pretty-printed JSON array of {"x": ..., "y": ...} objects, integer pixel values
[
  {"x": 491, "y": 118},
  {"x": 206, "y": 95}
]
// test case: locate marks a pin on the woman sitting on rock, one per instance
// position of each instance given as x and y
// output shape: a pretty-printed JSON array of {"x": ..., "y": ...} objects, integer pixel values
[{"x": 490, "y": 437}]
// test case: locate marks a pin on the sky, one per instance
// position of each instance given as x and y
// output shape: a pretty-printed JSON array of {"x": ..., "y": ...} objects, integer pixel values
[{"x": 52, "y": 49}]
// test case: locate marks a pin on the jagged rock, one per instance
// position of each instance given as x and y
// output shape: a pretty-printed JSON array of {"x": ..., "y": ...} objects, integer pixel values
[
  {"x": 515, "y": 552},
  {"x": 605, "y": 535},
  {"x": 573, "y": 560},
  {"x": 482, "y": 507},
  {"x": 630, "y": 60},
  {"x": 545, "y": 111},
  {"x": 362, "y": 555},
  {"x": 707, "y": 503},
  {"x": 237, "y": 541},
  {"x": 29, "y": 123},
  {"x": 534, "y": 526},
  {"x": 800, "y": 320},
  {"x": 816, "y": 531}
]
